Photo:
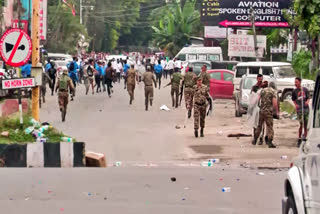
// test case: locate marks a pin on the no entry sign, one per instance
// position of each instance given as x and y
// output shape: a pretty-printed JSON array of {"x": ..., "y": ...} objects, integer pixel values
[{"x": 15, "y": 47}]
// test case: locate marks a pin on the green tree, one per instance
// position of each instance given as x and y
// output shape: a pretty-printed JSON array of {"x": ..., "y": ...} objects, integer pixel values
[
  {"x": 64, "y": 29},
  {"x": 176, "y": 27}
]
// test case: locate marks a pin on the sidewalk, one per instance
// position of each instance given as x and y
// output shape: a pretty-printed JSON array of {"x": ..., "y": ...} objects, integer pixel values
[{"x": 239, "y": 151}]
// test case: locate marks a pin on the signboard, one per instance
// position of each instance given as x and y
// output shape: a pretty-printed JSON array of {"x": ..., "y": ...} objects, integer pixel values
[
  {"x": 215, "y": 32},
  {"x": 268, "y": 13},
  {"x": 243, "y": 45},
  {"x": 15, "y": 47},
  {"x": 23, "y": 25},
  {"x": 210, "y": 12},
  {"x": 43, "y": 19},
  {"x": 18, "y": 83}
]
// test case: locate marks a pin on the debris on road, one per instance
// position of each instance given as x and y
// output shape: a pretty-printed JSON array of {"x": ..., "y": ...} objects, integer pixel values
[
  {"x": 226, "y": 189},
  {"x": 95, "y": 160},
  {"x": 284, "y": 157},
  {"x": 118, "y": 163},
  {"x": 5, "y": 134},
  {"x": 164, "y": 108},
  {"x": 239, "y": 135},
  {"x": 173, "y": 179},
  {"x": 260, "y": 173},
  {"x": 178, "y": 127}
]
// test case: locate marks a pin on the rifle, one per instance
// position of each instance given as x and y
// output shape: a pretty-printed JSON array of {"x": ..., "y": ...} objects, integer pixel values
[
  {"x": 210, "y": 106},
  {"x": 181, "y": 92}
]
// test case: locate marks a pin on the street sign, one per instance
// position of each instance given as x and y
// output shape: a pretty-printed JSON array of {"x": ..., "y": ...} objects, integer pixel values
[
  {"x": 268, "y": 13},
  {"x": 18, "y": 83},
  {"x": 243, "y": 45},
  {"x": 15, "y": 47}
]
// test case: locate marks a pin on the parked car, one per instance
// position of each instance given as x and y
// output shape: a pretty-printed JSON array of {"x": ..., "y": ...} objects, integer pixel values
[
  {"x": 59, "y": 57},
  {"x": 302, "y": 184},
  {"x": 221, "y": 86},
  {"x": 200, "y": 53},
  {"x": 243, "y": 93},
  {"x": 211, "y": 65},
  {"x": 282, "y": 73}
]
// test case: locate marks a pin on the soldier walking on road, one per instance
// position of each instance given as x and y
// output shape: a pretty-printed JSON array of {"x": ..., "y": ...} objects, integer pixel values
[
  {"x": 131, "y": 82},
  {"x": 65, "y": 85},
  {"x": 205, "y": 76},
  {"x": 201, "y": 95},
  {"x": 175, "y": 87},
  {"x": 268, "y": 102},
  {"x": 189, "y": 82},
  {"x": 148, "y": 78}
]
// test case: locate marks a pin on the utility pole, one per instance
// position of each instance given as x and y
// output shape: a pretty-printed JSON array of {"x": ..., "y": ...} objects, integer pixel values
[
  {"x": 81, "y": 12},
  {"x": 35, "y": 55},
  {"x": 253, "y": 23}
]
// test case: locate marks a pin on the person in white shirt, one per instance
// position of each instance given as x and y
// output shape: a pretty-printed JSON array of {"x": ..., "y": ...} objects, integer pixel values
[
  {"x": 118, "y": 70},
  {"x": 164, "y": 65},
  {"x": 170, "y": 67},
  {"x": 177, "y": 65}
]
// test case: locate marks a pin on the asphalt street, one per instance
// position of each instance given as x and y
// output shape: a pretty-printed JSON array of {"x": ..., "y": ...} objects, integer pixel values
[{"x": 137, "y": 190}]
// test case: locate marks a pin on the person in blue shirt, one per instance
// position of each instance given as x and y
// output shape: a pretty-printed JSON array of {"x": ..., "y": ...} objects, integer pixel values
[
  {"x": 158, "y": 71},
  {"x": 103, "y": 74},
  {"x": 126, "y": 67},
  {"x": 26, "y": 70},
  {"x": 97, "y": 76},
  {"x": 51, "y": 70},
  {"x": 73, "y": 74}
]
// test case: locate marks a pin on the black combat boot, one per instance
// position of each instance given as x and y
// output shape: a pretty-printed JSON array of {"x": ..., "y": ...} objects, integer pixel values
[
  {"x": 189, "y": 114},
  {"x": 201, "y": 132},
  {"x": 196, "y": 133},
  {"x": 299, "y": 142},
  {"x": 271, "y": 145},
  {"x": 44, "y": 99},
  {"x": 130, "y": 101},
  {"x": 63, "y": 116},
  {"x": 254, "y": 141},
  {"x": 146, "y": 107}
]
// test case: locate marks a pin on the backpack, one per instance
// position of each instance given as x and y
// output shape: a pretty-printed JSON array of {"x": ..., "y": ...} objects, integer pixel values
[
  {"x": 89, "y": 71},
  {"x": 71, "y": 66},
  {"x": 63, "y": 83}
]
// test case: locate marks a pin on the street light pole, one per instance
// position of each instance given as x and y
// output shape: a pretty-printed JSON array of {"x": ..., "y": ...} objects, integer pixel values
[
  {"x": 80, "y": 11},
  {"x": 253, "y": 22}
]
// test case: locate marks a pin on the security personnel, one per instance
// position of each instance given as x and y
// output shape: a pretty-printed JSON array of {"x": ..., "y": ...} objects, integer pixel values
[
  {"x": 189, "y": 82},
  {"x": 201, "y": 95},
  {"x": 65, "y": 85},
  {"x": 175, "y": 86},
  {"x": 205, "y": 76},
  {"x": 148, "y": 78},
  {"x": 268, "y": 102},
  {"x": 131, "y": 82}
]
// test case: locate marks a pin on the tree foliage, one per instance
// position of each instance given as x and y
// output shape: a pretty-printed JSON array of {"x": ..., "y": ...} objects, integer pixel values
[
  {"x": 176, "y": 26},
  {"x": 64, "y": 29}
]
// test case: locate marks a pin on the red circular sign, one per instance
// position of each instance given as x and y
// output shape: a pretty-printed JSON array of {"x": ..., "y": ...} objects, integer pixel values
[{"x": 15, "y": 47}]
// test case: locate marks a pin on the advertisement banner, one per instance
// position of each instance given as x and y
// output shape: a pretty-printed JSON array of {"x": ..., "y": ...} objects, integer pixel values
[
  {"x": 268, "y": 13},
  {"x": 243, "y": 45},
  {"x": 43, "y": 19},
  {"x": 210, "y": 12},
  {"x": 215, "y": 32}
]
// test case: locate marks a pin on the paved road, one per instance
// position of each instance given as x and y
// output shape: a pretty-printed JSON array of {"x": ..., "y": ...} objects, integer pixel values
[
  {"x": 137, "y": 190},
  {"x": 122, "y": 132}
]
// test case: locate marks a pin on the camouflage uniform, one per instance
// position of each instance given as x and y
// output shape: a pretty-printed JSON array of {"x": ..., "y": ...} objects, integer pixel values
[
  {"x": 205, "y": 78},
  {"x": 45, "y": 80},
  {"x": 188, "y": 90},
  {"x": 200, "y": 105},
  {"x": 266, "y": 113},
  {"x": 148, "y": 78},
  {"x": 65, "y": 85},
  {"x": 131, "y": 83},
  {"x": 175, "y": 87}
]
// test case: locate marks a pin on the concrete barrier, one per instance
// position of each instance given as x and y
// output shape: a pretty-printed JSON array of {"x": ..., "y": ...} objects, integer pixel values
[{"x": 38, "y": 155}]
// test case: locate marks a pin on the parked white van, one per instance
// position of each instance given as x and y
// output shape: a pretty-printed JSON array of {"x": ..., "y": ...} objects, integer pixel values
[
  {"x": 282, "y": 72},
  {"x": 200, "y": 53}
]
